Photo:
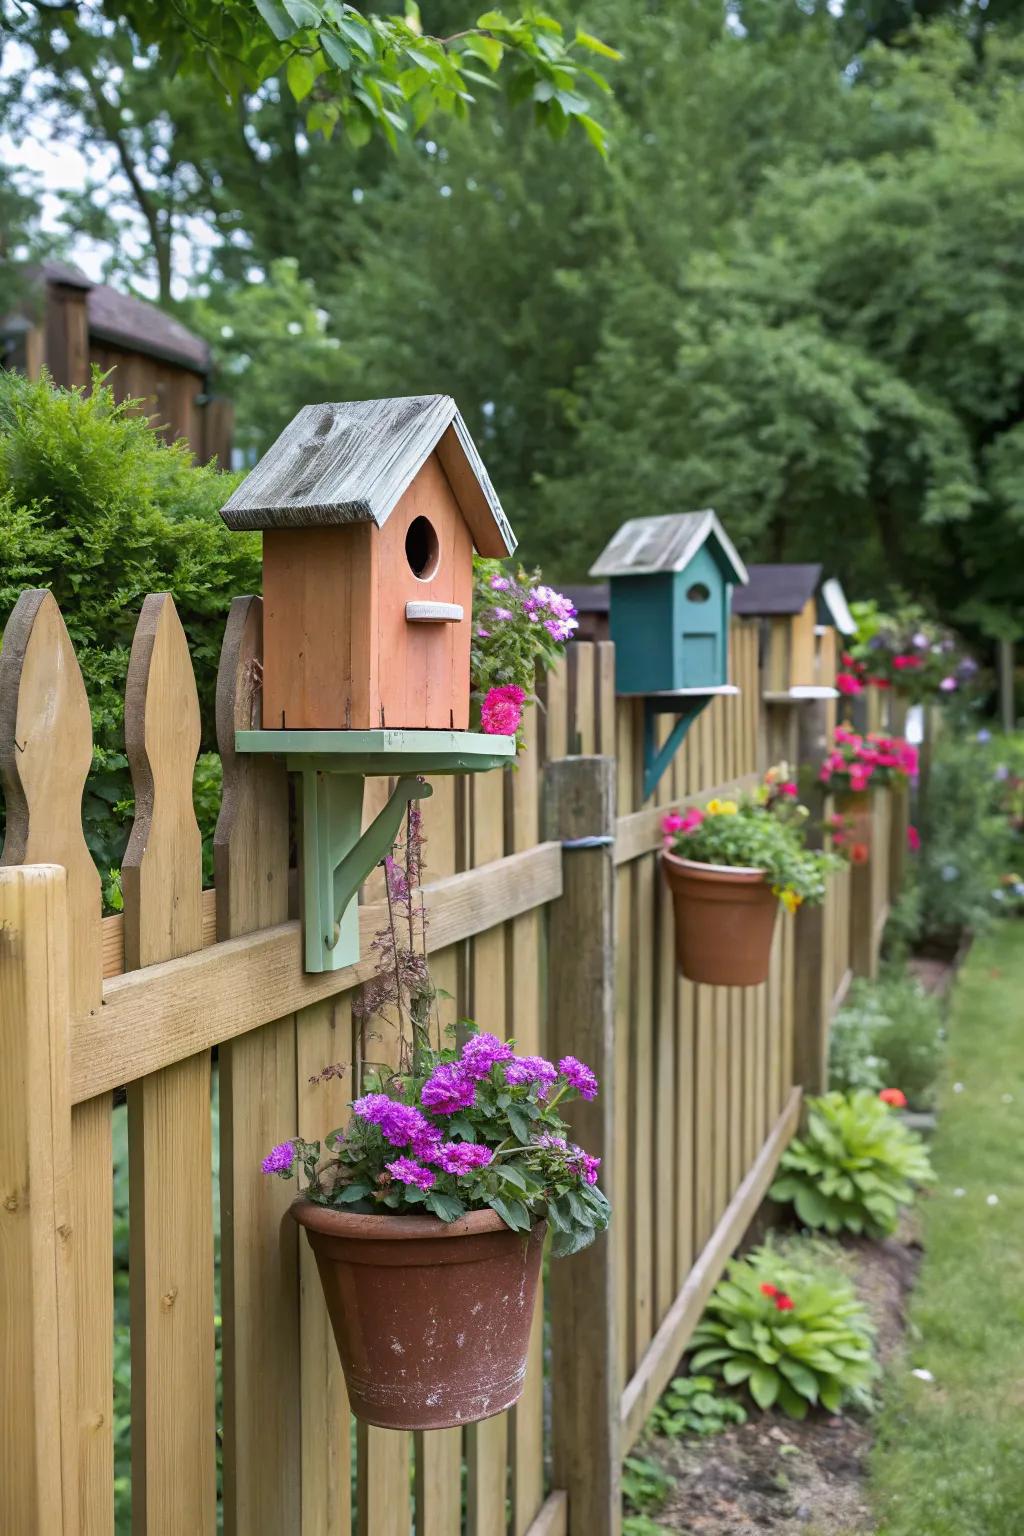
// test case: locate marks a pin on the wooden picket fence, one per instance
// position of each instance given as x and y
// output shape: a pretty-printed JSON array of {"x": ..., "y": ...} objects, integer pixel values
[{"x": 567, "y": 949}]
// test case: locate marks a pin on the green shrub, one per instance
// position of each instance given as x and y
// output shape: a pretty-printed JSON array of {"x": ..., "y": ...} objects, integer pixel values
[
  {"x": 693, "y": 1405},
  {"x": 99, "y": 509},
  {"x": 790, "y": 1338},
  {"x": 645, "y": 1487},
  {"x": 888, "y": 1034},
  {"x": 854, "y": 1167}
]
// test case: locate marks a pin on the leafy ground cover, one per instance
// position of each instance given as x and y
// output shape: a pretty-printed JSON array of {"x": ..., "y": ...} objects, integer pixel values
[{"x": 949, "y": 1455}]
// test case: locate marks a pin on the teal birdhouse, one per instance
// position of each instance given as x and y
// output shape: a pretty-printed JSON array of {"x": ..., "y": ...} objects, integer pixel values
[{"x": 670, "y": 585}]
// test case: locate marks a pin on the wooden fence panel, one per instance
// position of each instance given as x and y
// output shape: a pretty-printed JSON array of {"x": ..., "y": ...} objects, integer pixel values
[
  {"x": 169, "y": 1121},
  {"x": 45, "y": 755}
]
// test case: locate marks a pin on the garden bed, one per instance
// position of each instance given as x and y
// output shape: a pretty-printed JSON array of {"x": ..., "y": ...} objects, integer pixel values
[{"x": 773, "y": 1474}]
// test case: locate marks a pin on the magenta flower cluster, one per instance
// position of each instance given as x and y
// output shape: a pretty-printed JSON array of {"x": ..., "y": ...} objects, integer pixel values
[
  {"x": 398, "y": 1123},
  {"x": 481, "y": 1052},
  {"x": 576, "y": 1160},
  {"x": 408, "y": 1171},
  {"x": 579, "y": 1076},
  {"x": 448, "y": 1089},
  {"x": 526, "y": 1070},
  {"x": 460, "y": 1157},
  {"x": 552, "y": 609}
]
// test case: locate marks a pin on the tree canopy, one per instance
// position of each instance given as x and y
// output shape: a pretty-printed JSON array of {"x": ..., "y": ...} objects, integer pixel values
[{"x": 793, "y": 290}]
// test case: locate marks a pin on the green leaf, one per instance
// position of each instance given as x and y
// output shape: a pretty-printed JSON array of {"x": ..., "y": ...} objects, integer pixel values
[
  {"x": 353, "y": 1192},
  {"x": 521, "y": 1123},
  {"x": 764, "y": 1386},
  {"x": 303, "y": 13},
  {"x": 275, "y": 18},
  {"x": 335, "y": 50},
  {"x": 594, "y": 45},
  {"x": 486, "y": 48},
  {"x": 460, "y": 1126},
  {"x": 300, "y": 72},
  {"x": 803, "y": 1380},
  {"x": 445, "y": 1206},
  {"x": 494, "y": 21},
  {"x": 738, "y": 1369},
  {"x": 512, "y": 1212}
]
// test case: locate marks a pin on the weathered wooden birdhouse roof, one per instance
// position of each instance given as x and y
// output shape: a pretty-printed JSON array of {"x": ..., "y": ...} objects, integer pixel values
[
  {"x": 351, "y": 461},
  {"x": 649, "y": 546},
  {"x": 777, "y": 589}
]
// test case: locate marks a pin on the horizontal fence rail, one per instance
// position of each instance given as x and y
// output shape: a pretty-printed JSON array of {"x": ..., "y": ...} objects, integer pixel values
[{"x": 196, "y": 1003}]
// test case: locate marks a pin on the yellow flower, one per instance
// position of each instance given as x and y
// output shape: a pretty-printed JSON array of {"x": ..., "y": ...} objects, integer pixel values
[
  {"x": 722, "y": 808},
  {"x": 790, "y": 900}
]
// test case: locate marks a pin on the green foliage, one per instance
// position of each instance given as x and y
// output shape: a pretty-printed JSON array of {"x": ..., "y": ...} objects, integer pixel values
[
  {"x": 888, "y": 1034},
  {"x": 790, "y": 1338},
  {"x": 96, "y": 507},
  {"x": 645, "y": 1487},
  {"x": 855, "y": 1166},
  {"x": 745, "y": 834},
  {"x": 906, "y": 649},
  {"x": 693, "y": 1405},
  {"x": 363, "y": 73}
]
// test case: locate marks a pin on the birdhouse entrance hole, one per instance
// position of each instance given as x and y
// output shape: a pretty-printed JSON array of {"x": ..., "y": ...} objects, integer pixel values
[
  {"x": 698, "y": 593},
  {"x": 422, "y": 549}
]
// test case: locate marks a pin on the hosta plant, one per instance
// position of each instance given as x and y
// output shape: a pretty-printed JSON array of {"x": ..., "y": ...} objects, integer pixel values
[
  {"x": 789, "y": 1338},
  {"x": 696, "y": 1405},
  {"x": 855, "y": 1166}
]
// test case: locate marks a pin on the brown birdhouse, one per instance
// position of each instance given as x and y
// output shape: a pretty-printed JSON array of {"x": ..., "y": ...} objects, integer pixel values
[{"x": 370, "y": 511}]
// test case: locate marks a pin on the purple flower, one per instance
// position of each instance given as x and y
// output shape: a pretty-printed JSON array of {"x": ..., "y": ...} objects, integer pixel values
[
  {"x": 408, "y": 1171},
  {"x": 398, "y": 1123},
  {"x": 426, "y": 1144},
  {"x": 463, "y": 1156},
  {"x": 530, "y": 1069},
  {"x": 585, "y": 1165},
  {"x": 398, "y": 885},
  {"x": 579, "y": 1076},
  {"x": 551, "y": 1143},
  {"x": 500, "y": 583},
  {"x": 948, "y": 685},
  {"x": 501, "y": 614},
  {"x": 480, "y": 1053},
  {"x": 279, "y": 1159},
  {"x": 984, "y": 736},
  {"x": 560, "y": 629},
  {"x": 448, "y": 1088},
  {"x": 484, "y": 634}
]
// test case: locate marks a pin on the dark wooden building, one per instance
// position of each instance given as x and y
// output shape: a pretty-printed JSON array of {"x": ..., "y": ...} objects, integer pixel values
[{"x": 67, "y": 324}]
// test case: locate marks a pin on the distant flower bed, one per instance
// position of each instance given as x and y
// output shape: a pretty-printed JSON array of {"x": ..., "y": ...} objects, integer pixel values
[{"x": 518, "y": 624}]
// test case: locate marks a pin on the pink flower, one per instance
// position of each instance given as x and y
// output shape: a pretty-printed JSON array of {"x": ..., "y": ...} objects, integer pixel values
[
  {"x": 463, "y": 1156},
  {"x": 691, "y": 820},
  {"x": 906, "y": 663},
  {"x": 913, "y": 839},
  {"x": 894, "y": 1097},
  {"x": 408, "y": 1171},
  {"x": 789, "y": 789},
  {"x": 948, "y": 685},
  {"x": 848, "y": 684},
  {"x": 502, "y": 710}
]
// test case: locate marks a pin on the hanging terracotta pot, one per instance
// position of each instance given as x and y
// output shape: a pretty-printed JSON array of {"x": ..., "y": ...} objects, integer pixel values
[
  {"x": 725, "y": 921},
  {"x": 431, "y": 1319},
  {"x": 854, "y": 805}
]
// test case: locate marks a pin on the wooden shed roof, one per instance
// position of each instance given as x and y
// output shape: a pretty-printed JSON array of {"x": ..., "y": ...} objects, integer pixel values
[
  {"x": 122, "y": 320},
  {"x": 777, "y": 589},
  {"x": 351, "y": 461},
  {"x": 649, "y": 546}
]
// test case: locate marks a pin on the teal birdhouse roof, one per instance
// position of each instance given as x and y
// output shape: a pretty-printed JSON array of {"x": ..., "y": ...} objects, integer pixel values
[{"x": 653, "y": 546}]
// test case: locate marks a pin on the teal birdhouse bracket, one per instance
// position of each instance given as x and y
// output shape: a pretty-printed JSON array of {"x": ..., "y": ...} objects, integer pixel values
[
  {"x": 337, "y": 855},
  {"x": 686, "y": 704}
]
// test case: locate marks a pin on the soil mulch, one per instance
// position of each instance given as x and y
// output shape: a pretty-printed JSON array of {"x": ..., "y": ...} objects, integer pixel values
[{"x": 775, "y": 1475}]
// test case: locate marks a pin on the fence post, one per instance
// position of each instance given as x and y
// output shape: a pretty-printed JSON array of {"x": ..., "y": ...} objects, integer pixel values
[
  {"x": 811, "y": 997},
  {"x": 38, "y": 1411},
  {"x": 579, "y": 811}
]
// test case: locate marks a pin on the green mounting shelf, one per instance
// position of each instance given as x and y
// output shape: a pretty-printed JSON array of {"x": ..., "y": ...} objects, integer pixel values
[
  {"x": 686, "y": 704},
  {"x": 337, "y": 855}
]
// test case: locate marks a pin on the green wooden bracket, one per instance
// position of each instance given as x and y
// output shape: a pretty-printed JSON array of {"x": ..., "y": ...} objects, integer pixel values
[
  {"x": 686, "y": 704},
  {"x": 337, "y": 856}
]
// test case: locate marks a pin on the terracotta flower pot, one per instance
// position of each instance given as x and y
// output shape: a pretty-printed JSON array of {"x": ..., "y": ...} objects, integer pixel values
[
  {"x": 725, "y": 921},
  {"x": 432, "y": 1320}
]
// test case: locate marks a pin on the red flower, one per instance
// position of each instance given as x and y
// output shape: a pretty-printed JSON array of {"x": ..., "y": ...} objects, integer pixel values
[
  {"x": 770, "y": 1290},
  {"x": 906, "y": 663},
  {"x": 784, "y": 1302},
  {"x": 894, "y": 1097},
  {"x": 859, "y": 853},
  {"x": 848, "y": 684},
  {"x": 913, "y": 839},
  {"x": 880, "y": 682}
]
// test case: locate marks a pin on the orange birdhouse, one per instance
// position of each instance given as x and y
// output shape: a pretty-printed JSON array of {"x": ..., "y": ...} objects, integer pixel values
[{"x": 370, "y": 511}]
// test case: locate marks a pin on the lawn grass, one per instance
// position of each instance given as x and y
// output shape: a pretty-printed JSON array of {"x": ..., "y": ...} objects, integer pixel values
[{"x": 949, "y": 1457}]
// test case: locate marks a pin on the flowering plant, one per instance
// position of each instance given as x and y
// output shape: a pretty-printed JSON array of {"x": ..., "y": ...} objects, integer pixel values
[
  {"x": 904, "y": 650},
  {"x": 762, "y": 830},
  {"x": 856, "y": 762},
  {"x": 854, "y": 1166},
  {"x": 792, "y": 1338},
  {"x": 452, "y": 1128},
  {"x": 518, "y": 623}
]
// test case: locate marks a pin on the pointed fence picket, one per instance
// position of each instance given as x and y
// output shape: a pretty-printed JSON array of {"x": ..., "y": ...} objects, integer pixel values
[{"x": 704, "y": 1093}]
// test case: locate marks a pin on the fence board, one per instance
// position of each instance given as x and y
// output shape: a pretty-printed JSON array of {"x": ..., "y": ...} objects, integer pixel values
[
  {"x": 169, "y": 1128},
  {"x": 258, "y": 1108},
  {"x": 45, "y": 754}
]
